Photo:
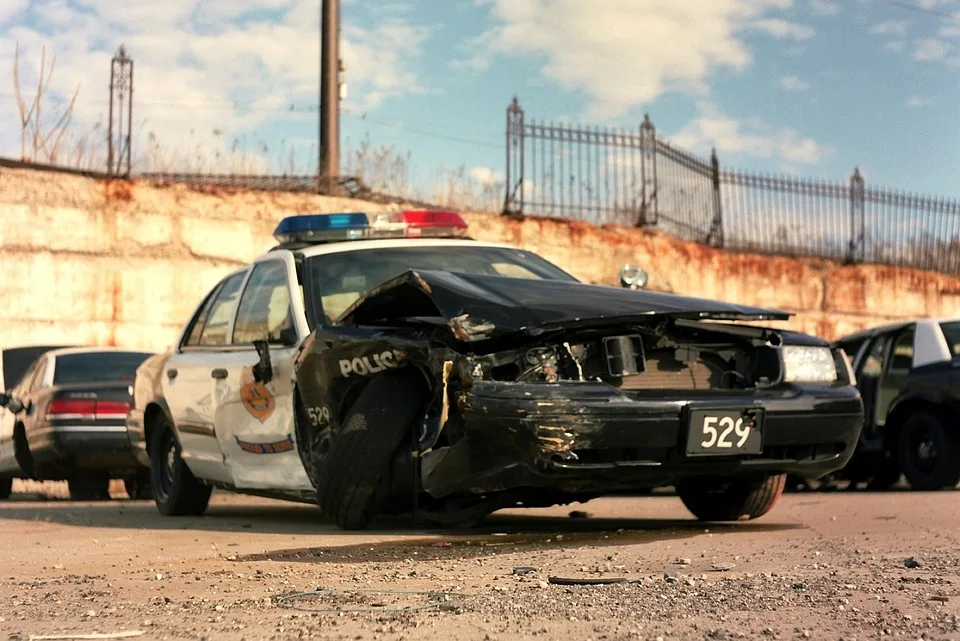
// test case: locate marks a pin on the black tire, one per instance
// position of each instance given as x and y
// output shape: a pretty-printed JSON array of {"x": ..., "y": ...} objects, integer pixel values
[
  {"x": 139, "y": 487},
  {"x": 176, "y": 491},
  {"x": 737, "y": 499},
  {"x": 929, "y": 453},
  {"x": 6, "y": 487},
  {"x": 361, "y": 451},
  {"x": 89, "y": 487}
]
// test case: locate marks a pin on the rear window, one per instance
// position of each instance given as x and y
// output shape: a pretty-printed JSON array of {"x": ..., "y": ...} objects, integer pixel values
[
  {"x": 17, "y": 360},
  {"x": 95, "y": 367}
]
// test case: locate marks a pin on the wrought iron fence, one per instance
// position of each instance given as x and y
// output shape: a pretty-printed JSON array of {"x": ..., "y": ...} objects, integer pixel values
[{"x": 635, "y": 178}]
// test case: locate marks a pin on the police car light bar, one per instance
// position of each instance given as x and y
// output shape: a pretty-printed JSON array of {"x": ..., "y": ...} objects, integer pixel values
[{"x": 323, "y": 228}]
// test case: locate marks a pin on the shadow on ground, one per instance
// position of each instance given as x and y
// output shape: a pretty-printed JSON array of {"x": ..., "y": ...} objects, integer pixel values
[{"x": 504, "y": 534}]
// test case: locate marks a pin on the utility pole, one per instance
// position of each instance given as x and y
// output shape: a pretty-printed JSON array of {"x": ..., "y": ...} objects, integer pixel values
[{"x": 328, "y": 175}]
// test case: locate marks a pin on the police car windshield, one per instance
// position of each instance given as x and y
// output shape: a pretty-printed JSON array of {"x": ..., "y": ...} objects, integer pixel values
[{"x": 344, "y": 277}]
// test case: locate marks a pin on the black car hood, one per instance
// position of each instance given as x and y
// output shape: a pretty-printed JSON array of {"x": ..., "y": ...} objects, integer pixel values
[{"x": 479, "y": 306}]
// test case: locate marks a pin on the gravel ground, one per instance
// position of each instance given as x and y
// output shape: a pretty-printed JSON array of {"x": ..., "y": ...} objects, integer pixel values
[{"x": 854, "y": 565}]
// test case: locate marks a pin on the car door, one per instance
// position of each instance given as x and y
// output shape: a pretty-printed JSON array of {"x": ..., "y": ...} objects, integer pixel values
[
  {"x": 188, "y": 384},
  {"x": 255, "y": 420},
  {"x": 869, "y": 372},
  {"x": 9, "y": 419}
]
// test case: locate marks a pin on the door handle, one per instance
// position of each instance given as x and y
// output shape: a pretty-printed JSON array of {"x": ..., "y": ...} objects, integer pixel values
[
  {"x": 171, "y": 374},
  {"x": 219, "y": 373}
]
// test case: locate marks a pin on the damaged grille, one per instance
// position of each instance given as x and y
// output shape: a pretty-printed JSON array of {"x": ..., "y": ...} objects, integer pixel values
[{"x": 664, "y": 371}]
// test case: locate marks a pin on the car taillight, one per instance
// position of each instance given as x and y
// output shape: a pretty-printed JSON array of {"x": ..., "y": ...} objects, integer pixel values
[{"x": 74, "y": 408}]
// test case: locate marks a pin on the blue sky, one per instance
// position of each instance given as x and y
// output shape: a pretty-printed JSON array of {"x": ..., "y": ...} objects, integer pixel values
[{"x": 813, "y": 87}]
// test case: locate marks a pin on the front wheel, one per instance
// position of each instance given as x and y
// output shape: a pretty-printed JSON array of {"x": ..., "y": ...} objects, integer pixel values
[
  {"x": 176, "y": 491},
  {"x": 6, "y": 487},
  {"x": 929, "y": 453},
  {"x": 736, "y": 499},
  {"x": 361, "y": 451}
]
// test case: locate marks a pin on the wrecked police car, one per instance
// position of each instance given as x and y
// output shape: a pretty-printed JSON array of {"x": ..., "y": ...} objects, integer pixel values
[{"x": 386, "y": 364}]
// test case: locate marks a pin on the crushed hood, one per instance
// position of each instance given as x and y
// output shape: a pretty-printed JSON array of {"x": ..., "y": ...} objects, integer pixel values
[{"x": 479, "y": 306}]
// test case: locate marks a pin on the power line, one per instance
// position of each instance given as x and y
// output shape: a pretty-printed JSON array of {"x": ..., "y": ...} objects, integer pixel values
[
  {"x": 921, "y": 9},
  {"x": 302, "y": 109}
]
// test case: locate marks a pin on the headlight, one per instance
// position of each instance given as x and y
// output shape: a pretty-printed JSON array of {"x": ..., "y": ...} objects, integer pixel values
[{"x": 804, "y": 364}]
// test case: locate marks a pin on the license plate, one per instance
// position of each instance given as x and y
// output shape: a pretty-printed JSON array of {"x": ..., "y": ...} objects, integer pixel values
[{"x": 725, "y": 432}]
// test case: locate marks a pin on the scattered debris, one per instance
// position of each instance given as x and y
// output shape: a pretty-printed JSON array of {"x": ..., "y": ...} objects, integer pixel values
[
  {"x": 95, "y": 635},
  {"x": 520, "y": 571},
  {"x": 683, "y": 561},
  {"x": 940, "y": 598},
  {"x": 912, "y": 563},
  {"x": 723, "y": 567},
  {"x": 574, "y": 581},
  {"x": 579, "y": 514}
]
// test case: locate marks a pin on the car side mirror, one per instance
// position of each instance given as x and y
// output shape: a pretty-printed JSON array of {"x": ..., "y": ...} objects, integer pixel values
[
  {"x": 263, "y": 370},
  {"x": 633, "y": 277},
  {"x": 12, "y": 404}
]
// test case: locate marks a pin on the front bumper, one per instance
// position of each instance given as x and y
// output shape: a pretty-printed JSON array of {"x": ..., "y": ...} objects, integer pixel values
[{"x": 581, "y": 437}]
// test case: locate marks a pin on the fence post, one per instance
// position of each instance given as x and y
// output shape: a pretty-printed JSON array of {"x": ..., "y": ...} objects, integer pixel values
[
  {"x": 513, "y": 198},
  {"x": 715, "y": 237},
  {"x": 857, "y": 209},
  {"x": 648, "y": 155}
]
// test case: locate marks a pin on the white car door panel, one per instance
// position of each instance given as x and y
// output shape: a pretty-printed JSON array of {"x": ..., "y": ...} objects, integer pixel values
[
  {"x": 189, "y": 395},
  {"x": 255, "y": 421},
  {"x": 191, "y": 392}
]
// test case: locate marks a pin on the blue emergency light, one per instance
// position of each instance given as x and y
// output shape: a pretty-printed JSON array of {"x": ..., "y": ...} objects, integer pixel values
[{"x": 325, "y": 228}]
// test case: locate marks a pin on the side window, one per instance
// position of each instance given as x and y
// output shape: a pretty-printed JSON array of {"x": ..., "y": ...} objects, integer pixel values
[
  {"x": 852, "y": 348},
  {"x": 901, "y": 358},
  {"x": 200, "y": 319},
  {"x": 218, "y": 319},
  {"x": 38, "y": 378},
  {"x": 875, "y": 359},
  {"x": 265, "y": 311},
  {"x": 26, "y": 382}
]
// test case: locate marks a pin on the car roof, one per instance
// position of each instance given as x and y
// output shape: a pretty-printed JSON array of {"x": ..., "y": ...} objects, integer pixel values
[
  {"x": 68, "y": 351},
  {"x": 893, "y": 327},
  {"x": 385, "y": 243}
]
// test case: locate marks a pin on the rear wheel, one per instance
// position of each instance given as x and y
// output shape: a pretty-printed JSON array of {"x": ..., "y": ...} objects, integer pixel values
[
  {"x": 362, "y": 450},
  {"x": 929, "y": 453},
  {"x": 736, "y": 499},
  {"x": 176, "y": 491},
  {"x": 89, "y": 487},
  {"x": 6, "y": 487}
]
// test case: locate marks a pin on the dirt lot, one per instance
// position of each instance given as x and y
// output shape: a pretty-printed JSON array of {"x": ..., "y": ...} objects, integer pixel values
[{"x": 820, "y": 566}]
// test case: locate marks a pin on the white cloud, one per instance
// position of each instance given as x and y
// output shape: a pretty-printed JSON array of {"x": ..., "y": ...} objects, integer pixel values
[
  {"x": 782, "y": 29},
  {"x": 919, "y": 101},
  {"x": 895, "y": 45},
  {"x": 931, "y": 49},
  {"x": 890, "y": 28},
  {"x": 824, "y": 7},
  {"x": 793, "y": 83},
  {"x": 10, "y": 8},
  {"x": 752, "y": 138},
  {"x": 486, "y": 176},
  {"x": 622, "y": 57},
  {"x": 205, "y": 65}
]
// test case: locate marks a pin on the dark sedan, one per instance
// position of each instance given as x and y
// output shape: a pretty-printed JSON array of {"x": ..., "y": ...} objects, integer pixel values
[{"x": 68, "y": 416}]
